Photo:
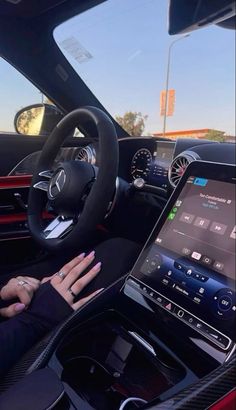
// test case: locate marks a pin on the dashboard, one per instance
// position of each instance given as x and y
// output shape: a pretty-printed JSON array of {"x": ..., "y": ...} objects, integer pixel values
[{"x": 160, "y": 163}]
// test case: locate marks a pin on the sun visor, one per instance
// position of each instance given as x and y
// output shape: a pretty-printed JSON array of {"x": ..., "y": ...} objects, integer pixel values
[{"x": 189, "y": 15}]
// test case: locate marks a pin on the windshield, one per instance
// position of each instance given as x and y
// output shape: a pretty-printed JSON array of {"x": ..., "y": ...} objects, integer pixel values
[{"x": 120, "y": 49}]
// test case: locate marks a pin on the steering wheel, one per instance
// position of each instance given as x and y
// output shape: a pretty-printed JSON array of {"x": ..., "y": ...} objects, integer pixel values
[{"x": 77, "y": 192}]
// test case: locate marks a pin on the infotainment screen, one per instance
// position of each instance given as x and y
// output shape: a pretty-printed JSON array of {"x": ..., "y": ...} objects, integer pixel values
[
  {"x": 190, "y": 257},
  {"x": 201, "y": 225}
]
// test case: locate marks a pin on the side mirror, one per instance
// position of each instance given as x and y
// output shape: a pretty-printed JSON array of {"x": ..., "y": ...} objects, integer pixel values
[{"x": 37, "y": 119}]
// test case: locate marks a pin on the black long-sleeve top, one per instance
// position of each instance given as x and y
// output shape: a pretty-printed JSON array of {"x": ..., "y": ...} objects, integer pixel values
[{"x": 20, "y": 333}]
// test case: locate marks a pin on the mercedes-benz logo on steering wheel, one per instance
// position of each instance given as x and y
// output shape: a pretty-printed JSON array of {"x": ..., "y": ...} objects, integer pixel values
[{"x": 56, "y": 184}]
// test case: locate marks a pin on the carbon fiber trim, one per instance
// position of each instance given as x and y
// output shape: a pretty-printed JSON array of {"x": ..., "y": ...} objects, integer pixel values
[
  {"x": 207, "y": 391},
  {"x": 20, "y": 369}
]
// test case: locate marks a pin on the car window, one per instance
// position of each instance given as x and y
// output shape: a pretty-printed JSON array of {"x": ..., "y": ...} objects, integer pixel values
[
  {"x": 16, "y": 93},
  {"x": 120, "y": 49}
]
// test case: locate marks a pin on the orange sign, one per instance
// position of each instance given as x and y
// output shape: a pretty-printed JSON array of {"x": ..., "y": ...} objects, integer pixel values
[
  {"x": 170, "y": 102},
  {"x": 162, "y": 103}
]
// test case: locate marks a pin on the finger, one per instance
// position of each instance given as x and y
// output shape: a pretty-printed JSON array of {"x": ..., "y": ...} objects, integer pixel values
[
  {"x": 77, "y": 270},
  {"x": 67, "y": 268},
  {"x": 47, "y": 278},
  {"x": 12, "y": 310},
  {"x": 13, "y": 289},
  {"x": 82, "y": 302},
  {"x": 26, "y": 284},
  {"x": 82, "y": 282},
  {"x": 34, "y": 283}
]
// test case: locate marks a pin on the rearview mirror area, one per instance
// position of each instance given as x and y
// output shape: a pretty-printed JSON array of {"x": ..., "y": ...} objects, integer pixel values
[
  {"x": 186, "y": 15},
  {"x": 37, "y": 119}
]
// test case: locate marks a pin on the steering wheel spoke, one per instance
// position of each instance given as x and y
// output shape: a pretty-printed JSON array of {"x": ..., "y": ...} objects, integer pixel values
[
  {"x": 58, "y": 228},
  {"x": 41, "y": 185},
  {"x": 46, "y": 174}
]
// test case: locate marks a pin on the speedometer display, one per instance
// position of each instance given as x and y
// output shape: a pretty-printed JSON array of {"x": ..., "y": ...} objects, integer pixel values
[{"x": 141, "y": 164}]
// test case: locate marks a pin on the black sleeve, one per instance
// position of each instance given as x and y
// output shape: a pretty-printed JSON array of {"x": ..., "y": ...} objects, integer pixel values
[{"x": 18, "y": 334}]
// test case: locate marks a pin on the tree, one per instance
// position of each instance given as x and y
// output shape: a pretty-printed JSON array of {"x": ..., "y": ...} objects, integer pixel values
[
  {"x": 132, "y": 122},
  {"x": 215, "y": 135}
]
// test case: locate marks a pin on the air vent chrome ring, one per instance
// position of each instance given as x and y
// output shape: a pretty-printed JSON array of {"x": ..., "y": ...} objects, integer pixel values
[
  {"x": 179, "y": 165},
  {"x": 86, "y": 154}
]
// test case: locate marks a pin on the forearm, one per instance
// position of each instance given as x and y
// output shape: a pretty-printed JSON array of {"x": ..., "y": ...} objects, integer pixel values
[{"x": 18, "y": 334}]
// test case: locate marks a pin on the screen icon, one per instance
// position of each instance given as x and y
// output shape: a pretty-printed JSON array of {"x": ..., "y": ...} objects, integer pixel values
[
  {"x": 200, "y": 181},
  {"x": 171, "y": 216},
  {"x": 218, "y": 265},
  {"x": 186, "y": 251},
  {"x": 178, "y": 203},
  {"x": 196, "y": 255},
  {"x": 233, "y": 233},
  {"x": 187, "y": 218},
  {"x": 206, "y": 260},
  {"x": 218, "y": 228},
  {"x": 201, "y": 222}
]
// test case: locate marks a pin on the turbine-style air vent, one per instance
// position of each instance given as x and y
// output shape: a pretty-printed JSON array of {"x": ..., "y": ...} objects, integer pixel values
[
  {"x": 86, "y": 154},
  {"x": 179, "y": 165}
]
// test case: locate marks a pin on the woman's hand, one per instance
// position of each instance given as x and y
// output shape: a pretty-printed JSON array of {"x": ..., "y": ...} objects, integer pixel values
[
  {"x": 21, "y": 287},
  {"x": 68, "y": 283}
]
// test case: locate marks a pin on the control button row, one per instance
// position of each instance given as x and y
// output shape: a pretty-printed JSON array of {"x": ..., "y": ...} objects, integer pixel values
[
  {"x": 181, "y": 288},
  {"x": 210, "y": 333},
  {"x": 190, "y": 272}
]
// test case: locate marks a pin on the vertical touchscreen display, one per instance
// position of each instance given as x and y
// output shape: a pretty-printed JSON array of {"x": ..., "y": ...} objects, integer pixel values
[{"x": 191, "y": 258}]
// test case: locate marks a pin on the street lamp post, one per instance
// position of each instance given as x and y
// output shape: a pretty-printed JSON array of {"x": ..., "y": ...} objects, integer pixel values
[{"x": 167, "y": 80}]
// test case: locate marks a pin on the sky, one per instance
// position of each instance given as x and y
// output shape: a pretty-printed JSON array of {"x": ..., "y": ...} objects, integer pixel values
[{"x": 119, "y": 48}]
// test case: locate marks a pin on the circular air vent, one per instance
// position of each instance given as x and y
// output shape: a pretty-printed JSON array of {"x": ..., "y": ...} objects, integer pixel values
[
  {"x": 179, "y": 165},
  {"x": 86, "y": 154}
]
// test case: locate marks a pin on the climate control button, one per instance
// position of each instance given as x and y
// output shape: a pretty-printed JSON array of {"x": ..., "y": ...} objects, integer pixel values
[{"x": 224, "y": 301}]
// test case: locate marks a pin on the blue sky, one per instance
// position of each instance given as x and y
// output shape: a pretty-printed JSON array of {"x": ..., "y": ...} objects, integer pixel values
[{"x": 127, "y": 41}]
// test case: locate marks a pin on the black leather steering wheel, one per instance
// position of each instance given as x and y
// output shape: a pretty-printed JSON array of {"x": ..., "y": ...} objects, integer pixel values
[{"x": 78, "y": 192}]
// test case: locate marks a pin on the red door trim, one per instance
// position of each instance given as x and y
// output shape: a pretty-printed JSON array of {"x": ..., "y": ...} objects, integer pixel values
[
  {"x": 18, "y": 181},
  {"x": 228, "y": 402}
]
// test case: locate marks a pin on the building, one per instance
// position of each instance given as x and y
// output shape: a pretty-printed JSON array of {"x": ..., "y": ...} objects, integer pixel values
[
  {"x": 173, "y": 135},
  {"x": 197, "y": 134}
]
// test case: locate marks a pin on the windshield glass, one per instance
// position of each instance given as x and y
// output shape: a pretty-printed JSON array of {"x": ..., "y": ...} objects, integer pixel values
[{"x": 120, "y": 49}]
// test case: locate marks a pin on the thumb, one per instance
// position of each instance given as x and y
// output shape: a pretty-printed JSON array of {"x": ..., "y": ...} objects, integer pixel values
[{"x": 12, "y": 310}]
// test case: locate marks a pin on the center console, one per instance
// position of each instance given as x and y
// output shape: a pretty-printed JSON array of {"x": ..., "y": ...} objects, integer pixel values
[{"x": 170, "y": 323}]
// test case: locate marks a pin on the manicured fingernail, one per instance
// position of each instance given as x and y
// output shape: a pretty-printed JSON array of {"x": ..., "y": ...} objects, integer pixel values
[
  {"x": 91, "y": 254},
  {"x": 97, "y": 266},
  {"x": 99, "y": 290},
  {"x": 82, "y": 255},
  {"x": 19, "y": 307}
]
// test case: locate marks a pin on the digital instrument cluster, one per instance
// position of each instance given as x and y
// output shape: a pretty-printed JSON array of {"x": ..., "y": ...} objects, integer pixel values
[{"x": 153, "y": 167}]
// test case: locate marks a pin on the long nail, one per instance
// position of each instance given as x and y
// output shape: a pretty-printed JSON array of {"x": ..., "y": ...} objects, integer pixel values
[
  {"x": 97, "y": 266},
  {"x": 99, "y": 290},
  {"x": 19, "y": 307},
  {"x": 82, "y": 255},
  {"x": 91, "y": 254}
]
